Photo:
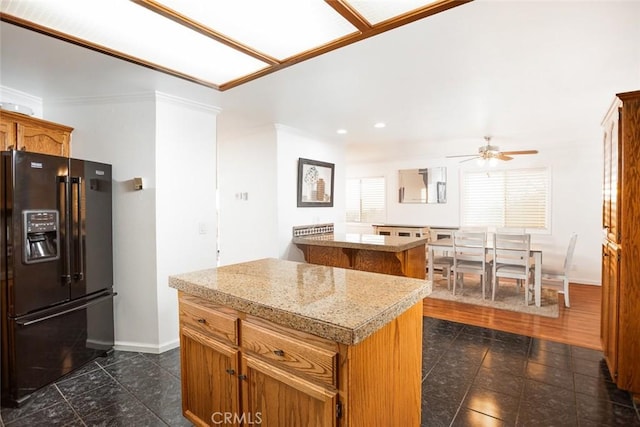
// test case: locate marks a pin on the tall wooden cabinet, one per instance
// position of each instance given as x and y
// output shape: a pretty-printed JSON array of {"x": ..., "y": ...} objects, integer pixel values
[
  {"x": 21, "y": 132},
  {"x": 620, "y": 328}
]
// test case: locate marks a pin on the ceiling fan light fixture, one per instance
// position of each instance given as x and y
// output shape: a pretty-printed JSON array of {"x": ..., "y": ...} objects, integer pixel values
[{"x": 492, "y": 154}]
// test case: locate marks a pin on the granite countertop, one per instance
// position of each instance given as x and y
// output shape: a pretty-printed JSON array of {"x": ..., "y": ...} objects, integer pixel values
[
  {"x": 341, "y": 305},
  {"x": 372, "y": 242}
]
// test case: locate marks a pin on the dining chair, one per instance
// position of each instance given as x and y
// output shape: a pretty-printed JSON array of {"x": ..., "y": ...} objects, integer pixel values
[
  {"x": 470, "y": 256},
  {"x": 512, "y": 259},
  {"x": 444, "y": 263},
  {"x": 561, "y": 275}
]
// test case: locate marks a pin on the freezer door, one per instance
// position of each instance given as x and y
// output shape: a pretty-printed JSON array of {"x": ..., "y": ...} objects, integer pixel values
[
  {"x": 35, "y": 193},
  {"x": 91, "y": 228},
  {"x": 49, "y": 344}
]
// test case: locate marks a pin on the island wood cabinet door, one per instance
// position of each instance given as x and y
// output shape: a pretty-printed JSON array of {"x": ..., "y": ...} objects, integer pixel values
[
  {"x": 209, "y": 358},
  {"x": 289, "y": 377},
  {"x": 210, "y": 389},
  {"x": 20, "y": 132},
  {"x": 275, "y": 397}
]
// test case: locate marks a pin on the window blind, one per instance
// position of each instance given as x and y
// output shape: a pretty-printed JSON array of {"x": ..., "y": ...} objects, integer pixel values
[
  {"x": 365, "y": 200},
  {"x": 516, "y": 198}
]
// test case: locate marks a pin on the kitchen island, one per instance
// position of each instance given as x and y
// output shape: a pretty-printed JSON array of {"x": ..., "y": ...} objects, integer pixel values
[
  {"x": 397, "y": 255},
  {"x": 278, "y": 343}
]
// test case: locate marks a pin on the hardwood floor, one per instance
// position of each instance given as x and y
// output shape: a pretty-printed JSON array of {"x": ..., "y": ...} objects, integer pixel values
[{"x": 578, "y": 325}]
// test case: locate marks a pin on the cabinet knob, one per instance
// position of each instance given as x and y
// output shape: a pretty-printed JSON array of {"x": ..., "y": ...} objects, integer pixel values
[
  {"x": 230, "y": 371},
  {"x": 201, "y": 320},
  {"x": 279, "y": 353},
  {"x": 242, "y": 377}
]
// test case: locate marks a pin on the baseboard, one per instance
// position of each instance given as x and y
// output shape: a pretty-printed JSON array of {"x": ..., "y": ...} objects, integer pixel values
[{"x": 146, "y": 348}]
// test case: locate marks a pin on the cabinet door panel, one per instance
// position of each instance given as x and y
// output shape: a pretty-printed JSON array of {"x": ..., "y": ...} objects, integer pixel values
[
  {"x": 209, "y": 378},
  {"x": 279, "y": 398},
  {"x": 611, "y": 187},
  {"x": 43, "y": 140},
  {"x": 610, "y": 307},
  {"x": 7, "y": 135}
]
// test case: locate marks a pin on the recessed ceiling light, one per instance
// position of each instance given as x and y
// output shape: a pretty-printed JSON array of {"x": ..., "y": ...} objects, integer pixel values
[
  {"x": 341, "y": 131},
  {"x": 379, "y": 125}
]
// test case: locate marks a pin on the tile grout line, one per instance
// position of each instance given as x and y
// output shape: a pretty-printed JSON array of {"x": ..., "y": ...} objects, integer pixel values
[
  {"x": 69, "y": 404},
  {"x": 466, "y": 393},
  {"x": 131, "y": 393},
  {"x": 524, "y": 377}
]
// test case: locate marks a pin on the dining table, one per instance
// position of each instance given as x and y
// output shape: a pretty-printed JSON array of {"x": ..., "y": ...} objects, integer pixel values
[{"x": 446, "y": 245}]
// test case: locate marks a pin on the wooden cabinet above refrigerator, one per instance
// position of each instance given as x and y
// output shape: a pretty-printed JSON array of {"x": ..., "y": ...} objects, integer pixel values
[{"x": 25, "y": 133}]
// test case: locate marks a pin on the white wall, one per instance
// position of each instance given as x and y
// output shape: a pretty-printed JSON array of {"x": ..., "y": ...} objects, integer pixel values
[
  {"x": 263, "y": 163},
  {"x": 150, "y": 136},
  {"x": 185, "y": 200},
  {"x": 576, "y": 201},
  {"x": 247, "y": 165},
  {"x": 120, "y": 130}
]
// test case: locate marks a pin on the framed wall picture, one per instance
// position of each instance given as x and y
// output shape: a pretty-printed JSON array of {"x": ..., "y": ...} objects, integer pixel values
[{"x": 315, "y": 183}]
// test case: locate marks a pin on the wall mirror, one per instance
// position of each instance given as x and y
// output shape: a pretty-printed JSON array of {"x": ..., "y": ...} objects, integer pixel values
[{"x": 424, "y": 185}]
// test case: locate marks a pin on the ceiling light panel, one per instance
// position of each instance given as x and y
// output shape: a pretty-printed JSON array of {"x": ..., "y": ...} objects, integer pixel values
[
  {"x": 376, "y": 11},
  {"x": 126, "y": 27},
  {"x": 278, "y": 28}
]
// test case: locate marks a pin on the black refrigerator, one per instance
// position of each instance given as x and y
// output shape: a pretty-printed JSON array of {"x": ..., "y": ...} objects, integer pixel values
[{"x": 57, "y": 269}]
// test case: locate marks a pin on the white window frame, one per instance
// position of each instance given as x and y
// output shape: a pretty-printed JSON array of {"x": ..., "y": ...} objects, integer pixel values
[
  {"x": 382, "y": 217},
  {"x": 545, "y": 170}
]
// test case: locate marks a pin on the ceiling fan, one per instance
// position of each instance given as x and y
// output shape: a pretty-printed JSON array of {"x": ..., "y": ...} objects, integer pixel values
[{"x": 493, "y": 153}]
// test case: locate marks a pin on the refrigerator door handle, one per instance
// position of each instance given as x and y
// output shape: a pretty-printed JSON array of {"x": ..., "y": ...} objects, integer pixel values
[
  {"x": 79, "y": 252},
  {"x": 95, "y": 301},
  {"x": 63, "y": 181}
]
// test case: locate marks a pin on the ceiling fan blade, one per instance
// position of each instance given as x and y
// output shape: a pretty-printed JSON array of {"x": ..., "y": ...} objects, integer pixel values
[
  {"x": 463, "y": 155},
  {"x": 468, "y": 160},
  {"x": 510, "y": 153},
  {"x": 501, "y": 156}
]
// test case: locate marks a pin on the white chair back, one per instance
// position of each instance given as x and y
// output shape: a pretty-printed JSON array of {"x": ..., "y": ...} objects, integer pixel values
[
  {"x": 512, "y": 249},
  {"x": 569, "y": 258},
  {"x": 469, "y": 246}
]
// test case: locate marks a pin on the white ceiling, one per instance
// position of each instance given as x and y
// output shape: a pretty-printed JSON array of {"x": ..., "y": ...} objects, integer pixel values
[{"x": 527, "y": 73}]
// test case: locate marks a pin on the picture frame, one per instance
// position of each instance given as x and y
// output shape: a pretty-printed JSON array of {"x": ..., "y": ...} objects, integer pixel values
[{"x": 315, "y": 183}]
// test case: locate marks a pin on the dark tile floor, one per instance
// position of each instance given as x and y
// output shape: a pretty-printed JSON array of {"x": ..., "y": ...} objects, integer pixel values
[
  {"x": 480, "y": 377},
  {"x": 471, "y": 377},
  {"x": 124, "y": 389}
]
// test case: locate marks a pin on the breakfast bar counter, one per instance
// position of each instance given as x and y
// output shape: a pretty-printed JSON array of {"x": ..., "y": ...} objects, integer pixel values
[
  {"x": 397, "y": 255},
  {"x": 297, "y": 344}
]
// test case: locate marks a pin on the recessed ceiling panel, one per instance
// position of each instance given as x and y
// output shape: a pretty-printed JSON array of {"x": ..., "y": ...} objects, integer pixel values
[
  {"x": 218, "y": 43},
  {"x": 278, "y": 28},
  {"x": 125, "y": 27},
  {"x": 377, "y": 11}
]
